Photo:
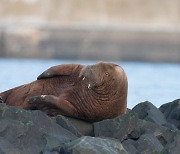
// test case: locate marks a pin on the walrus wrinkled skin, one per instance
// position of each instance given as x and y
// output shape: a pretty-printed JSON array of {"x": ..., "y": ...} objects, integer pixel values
[{"x": 92, "y": 92}]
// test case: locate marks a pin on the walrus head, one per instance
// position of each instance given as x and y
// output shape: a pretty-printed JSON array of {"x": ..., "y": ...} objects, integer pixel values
[
  {"x": 107, "y": 82},
  {"x": 103, "y": 75}
]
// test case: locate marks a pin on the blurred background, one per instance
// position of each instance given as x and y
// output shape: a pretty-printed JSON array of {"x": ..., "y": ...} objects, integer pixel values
[{"x": 142, "y": 36}]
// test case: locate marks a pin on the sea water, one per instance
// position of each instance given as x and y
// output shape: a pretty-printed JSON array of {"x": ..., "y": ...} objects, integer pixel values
[{"x": 158, "y": 83}]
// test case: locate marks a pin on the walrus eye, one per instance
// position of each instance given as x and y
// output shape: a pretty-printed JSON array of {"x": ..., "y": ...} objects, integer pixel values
[{"x": 107, "y": 74}]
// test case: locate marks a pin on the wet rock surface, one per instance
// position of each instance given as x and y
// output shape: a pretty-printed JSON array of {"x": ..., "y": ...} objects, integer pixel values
[{"x": 144, "y": 129}]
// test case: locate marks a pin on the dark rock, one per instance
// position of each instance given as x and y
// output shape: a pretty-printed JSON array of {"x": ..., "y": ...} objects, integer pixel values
[
  {"x": 171, "y": 126},
  {"x": 147, "y": 111},
  {"x": 120, "y": 128},
  {"x": 129, "y": 126},
  {"x": 31, "y": 131},
  {"x": 148, "y": 143},
  {"x": 7, "y": 148},
  {"x": 92, "y": 145},
  {"x": 86, "y": 128},
  {"x": 142, "y": 130},
  {"x": 65, "y": 123},
  {"x": 130, "y": 146},
  {"x": 171, "y": 112},
  {"x": 76, "y": 126},
  {"x": 164, "y": 134},
  {"x": 26, "y": 138},
  {"x": 174, "y": 146}
]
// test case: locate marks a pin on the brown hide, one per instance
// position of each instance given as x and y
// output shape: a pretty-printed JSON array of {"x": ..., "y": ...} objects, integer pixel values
[{"x": 92, "y": 92}]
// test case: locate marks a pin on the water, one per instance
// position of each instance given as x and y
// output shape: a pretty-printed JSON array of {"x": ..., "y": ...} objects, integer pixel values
[{"x": 158, "y": 83}]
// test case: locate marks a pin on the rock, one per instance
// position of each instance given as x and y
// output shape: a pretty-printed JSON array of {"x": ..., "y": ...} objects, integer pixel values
[
  {"x": 129, "y": 126},
  {"x": 171, "y": 112},
  {"x": 173, "y": 147},
  {"x": 148, "y": 143},
  {"x": 26, "y": 138},
  {"x": 76, "y": 126},
  {"x": 130, "y": 146},
  {"x": 31, "y": 131},
  {"x": 120, "y": 128},
  {"x": 7, "y": 148},
  {"x": 86, "y": 128},
  {"x": 147, "y": 111},
  {"x": 93, "y": 145},
  {"x": 164, "y": 134},
  {"x": 65, "y": 123},
  {"x": 138, "y": 131}
]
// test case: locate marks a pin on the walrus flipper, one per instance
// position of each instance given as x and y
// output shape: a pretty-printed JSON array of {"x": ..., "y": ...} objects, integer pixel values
[
  {"x": 53, "y": 104},
  {"x": 65, "y": 69}
]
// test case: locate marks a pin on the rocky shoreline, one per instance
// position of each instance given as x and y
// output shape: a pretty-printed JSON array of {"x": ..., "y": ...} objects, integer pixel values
[{"x": 144, "y": 129}]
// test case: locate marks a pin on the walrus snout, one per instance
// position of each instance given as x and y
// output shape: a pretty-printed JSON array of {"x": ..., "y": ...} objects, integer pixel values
[{"x": 90, "y": 76}]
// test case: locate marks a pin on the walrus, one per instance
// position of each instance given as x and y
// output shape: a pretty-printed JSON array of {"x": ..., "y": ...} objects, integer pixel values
[{"x": 87, "y": 92}]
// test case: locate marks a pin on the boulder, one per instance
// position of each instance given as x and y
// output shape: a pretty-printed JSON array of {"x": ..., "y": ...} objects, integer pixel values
[
  {"x": 147, "y": 111},
  {"x": 30, "y": 131},
  {"x": 164, "y": 134},
  {"x": 171, "y": 112},
  {"x": 173, "y": 147},
  {"x": 93, "y": 145},
  {"x": 148, "y": 143},
  {"x": 128, "y": 126},
  {"x": 120, "y": 128},
  {"x": 7, "y": 148},
  {"x": 130, "y": 146},
  {"x": 142, "y": 130},
  {"x": 76, "y": 126},
  {"x": 24, "y": 137},
  {"x": 65, "y": 123}
]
